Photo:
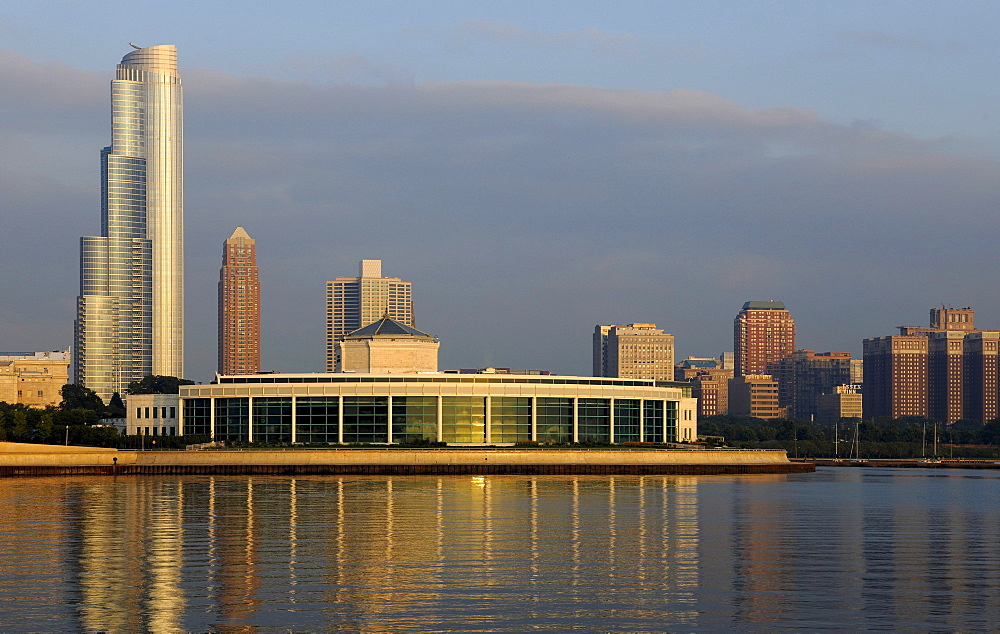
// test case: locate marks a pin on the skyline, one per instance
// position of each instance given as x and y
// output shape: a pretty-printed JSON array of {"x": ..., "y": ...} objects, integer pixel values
[{"x": 527, "y": 203}]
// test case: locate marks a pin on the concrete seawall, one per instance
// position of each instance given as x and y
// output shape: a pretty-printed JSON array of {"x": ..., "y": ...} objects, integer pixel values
[{"x": 20, "y": 459}]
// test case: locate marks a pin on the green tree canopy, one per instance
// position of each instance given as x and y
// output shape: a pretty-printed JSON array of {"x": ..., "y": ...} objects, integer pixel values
[
  {"x": 78, "y": 397},
  {"x": 157, "y": 384},
  {"x": 116, "y": 408}
]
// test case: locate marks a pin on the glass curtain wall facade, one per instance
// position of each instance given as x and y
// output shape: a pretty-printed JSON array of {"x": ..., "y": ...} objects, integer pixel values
[
  {"x": 324, "y": 408},
  {"x": 460, "y": 419},
  {"x": 130, "y": 311}
]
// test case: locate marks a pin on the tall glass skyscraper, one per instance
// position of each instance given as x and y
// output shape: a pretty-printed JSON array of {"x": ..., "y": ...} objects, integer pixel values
[{"x": 130, "y": 312}]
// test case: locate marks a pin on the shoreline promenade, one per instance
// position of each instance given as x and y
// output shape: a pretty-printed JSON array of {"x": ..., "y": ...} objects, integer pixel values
[{"x": 27, "y": 460}]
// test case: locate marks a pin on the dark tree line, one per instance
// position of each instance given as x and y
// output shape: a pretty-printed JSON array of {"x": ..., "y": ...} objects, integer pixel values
[
  {"x": 76, "y": 419},
  {"x": 907, "y": 437}
]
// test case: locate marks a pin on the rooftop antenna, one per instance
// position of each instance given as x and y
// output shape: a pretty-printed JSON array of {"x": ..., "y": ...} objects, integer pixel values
[{"x": 138, "y": 48}]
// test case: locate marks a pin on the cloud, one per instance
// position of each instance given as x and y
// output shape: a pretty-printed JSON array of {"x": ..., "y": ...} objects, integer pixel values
[
  {"x": 589, "y": 40},
  {"x": 523, "y": 214},
  {"x": 353, "y": 68}
]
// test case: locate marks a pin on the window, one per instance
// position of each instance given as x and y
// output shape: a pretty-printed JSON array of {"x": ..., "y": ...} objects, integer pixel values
[
  {"x": 554, "y": 422},
  {"x": 232, "y": 418},
  {"x": 626, "y": 420},
  {"x": 463, "y": 419},
  {"x": 366, "y": 419},
  {"x": 414, "y": 418},
  {"x": 594, "y": 419},
  {"x": 510, "y": 419},
  {"x": 272, "y": 419}
]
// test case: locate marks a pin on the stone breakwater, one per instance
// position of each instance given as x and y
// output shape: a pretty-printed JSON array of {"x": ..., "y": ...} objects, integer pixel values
[{"x": 22, "y": 459}]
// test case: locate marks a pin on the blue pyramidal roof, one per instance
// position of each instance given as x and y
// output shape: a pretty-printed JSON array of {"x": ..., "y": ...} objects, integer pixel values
[{"x": 387, "y": 326}]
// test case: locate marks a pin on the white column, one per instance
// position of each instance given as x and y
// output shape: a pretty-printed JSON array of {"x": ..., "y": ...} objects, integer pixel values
[
  {"x": 294, "y": 399},
  {"x": 249, "y": 419},
  {"x": 340, "y": 419},
  {"x": 211, "y": 419},
  {"x": 642, "y": 420}
]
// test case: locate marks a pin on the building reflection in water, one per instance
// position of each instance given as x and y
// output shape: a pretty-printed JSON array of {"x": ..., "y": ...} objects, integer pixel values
[
  {"x": 129, "y": 555},
  {"x": 864, "y": 548},
  {"x": 382, "y": 553}
]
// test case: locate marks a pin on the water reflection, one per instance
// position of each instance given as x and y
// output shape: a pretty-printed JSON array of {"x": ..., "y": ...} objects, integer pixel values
[{"x": 840, "y": 548}]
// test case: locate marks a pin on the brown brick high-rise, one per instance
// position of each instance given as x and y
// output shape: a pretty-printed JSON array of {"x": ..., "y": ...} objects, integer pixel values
[
  {"x": 763, "y": 333},
  {"x": 947, "y": 371},
  {"x": 239, "y": 306}
]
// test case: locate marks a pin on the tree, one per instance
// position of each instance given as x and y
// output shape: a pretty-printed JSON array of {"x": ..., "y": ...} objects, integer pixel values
[
  {"x": 116, "y": 408},
  {"x": 157, "y": 384},
  {"x": 78, "y": 397},
  {"x": 20, "y": 427},
  {"x": 80, "y": 416}
]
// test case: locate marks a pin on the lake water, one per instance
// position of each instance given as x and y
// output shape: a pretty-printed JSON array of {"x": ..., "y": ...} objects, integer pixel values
[{"x": 844, "y": 548}]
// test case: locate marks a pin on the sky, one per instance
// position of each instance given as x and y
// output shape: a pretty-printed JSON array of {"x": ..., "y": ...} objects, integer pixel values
[{"x": 533, "y": 169}]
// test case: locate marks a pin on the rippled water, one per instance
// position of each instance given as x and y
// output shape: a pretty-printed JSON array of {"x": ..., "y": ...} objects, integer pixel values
[{"x": 838, "y": 549}]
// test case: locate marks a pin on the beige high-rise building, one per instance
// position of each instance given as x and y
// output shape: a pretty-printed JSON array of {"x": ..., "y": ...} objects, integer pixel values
[
  {"x": 354, "y": 302},
  {"x": 33, "y": 379},
  {"x": 239, "y": 306},
  {"x": 635, "y": 351}
]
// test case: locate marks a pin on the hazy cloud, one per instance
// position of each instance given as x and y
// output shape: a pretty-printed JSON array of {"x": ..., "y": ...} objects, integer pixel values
[
  {"x": 591, "y": 40},
  {"x": 344, "y": 69}
]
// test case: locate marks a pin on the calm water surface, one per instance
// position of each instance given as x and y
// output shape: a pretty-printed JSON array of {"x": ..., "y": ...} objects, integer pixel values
[{"x": 839, "y": 549}]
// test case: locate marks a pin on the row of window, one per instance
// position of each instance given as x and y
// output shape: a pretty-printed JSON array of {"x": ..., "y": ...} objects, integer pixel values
[
  {"x": 157, "y": 412},
  {"x": 461, "y": 419}
]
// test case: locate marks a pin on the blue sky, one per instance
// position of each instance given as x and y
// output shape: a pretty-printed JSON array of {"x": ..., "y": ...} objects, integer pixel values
[{"x": 533, "y": 170}]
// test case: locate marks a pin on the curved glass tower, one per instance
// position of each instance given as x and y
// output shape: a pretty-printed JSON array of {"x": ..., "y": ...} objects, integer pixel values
[{"x": 130, "y": 312}]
